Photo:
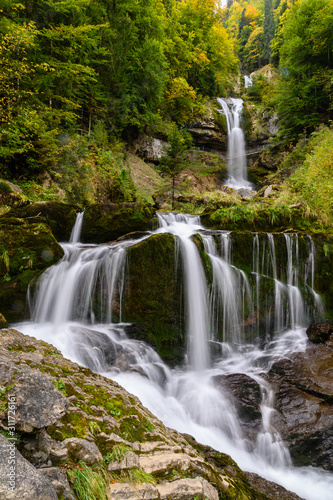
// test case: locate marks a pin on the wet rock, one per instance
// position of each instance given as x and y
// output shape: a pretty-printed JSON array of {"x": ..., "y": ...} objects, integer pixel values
[
  {"x": 319, "y": 333},
  {"x": 304, "y": 396},
  {"x": 269, "y": 488},
  {"x": 26, "y": 249},
  {"x": 103, "y": 222},
  {"x": 20, "y": 479},
  {"x": 247, "y": 397},
  {"x": 3, "y": 321}
]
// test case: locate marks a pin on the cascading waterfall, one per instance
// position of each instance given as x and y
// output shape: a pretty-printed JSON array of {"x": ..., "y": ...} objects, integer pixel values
[
  {"x": 76, "y": 231},
  {"x": 232, "y": 109},
  {"x": 74, "y": 308}
]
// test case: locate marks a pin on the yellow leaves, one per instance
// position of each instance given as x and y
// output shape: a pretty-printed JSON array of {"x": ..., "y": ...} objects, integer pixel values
[{"x": 179, "y": 88}]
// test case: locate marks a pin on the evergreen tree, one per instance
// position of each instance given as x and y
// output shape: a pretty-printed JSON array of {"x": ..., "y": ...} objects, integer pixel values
[{"x": 269, "y": 28}]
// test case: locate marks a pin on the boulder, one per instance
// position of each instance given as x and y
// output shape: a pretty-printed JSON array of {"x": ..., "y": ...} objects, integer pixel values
[
  {"x": 20, "y": 479},
  {"x": 304, "y": 396},
  {"x": 103, "y": 222},
  {"x": 38, "y": 403},
  {"x": 26, "y": 249},
  {"x": 319, "y": 332},
  {"x": 11, "y": 194},
  {"x": 149, "y": 148},
  {"x": 59, "y": 481},
  {"x": 59, "y": 216}
]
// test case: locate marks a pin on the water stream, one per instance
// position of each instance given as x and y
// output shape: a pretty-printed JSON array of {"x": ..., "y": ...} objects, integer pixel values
[{"x": 76, "y": 308}]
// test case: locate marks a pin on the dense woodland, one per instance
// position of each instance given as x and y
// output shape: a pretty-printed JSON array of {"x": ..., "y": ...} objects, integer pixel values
[{"x": 80, "y": 79}]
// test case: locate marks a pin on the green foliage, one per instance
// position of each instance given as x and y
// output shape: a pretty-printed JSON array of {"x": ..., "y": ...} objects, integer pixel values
[
  {"x": 60, "y": 385},
  {"x": 89, "y": 483},
  {"x": 316, "y": 171},
  {"x": 174, "y": 160},
  {"x": 117, "y": 454},
  {"x": 304, "y": 47}
]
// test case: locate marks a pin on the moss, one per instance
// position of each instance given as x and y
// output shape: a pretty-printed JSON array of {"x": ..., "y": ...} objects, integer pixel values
[
  {"x": 104, "y": 222},
  {"x": 60, "y": 217},
  {"x": 135, "y": 428},
  {"x": 152, "y": 297},
  {"x": 70, "y": 425}
]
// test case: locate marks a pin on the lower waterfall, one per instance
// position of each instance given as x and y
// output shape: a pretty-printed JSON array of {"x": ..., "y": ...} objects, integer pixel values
[{"x": 225, "y": 335}]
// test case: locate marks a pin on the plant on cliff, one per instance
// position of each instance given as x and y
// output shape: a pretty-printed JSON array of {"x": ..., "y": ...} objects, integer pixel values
[{"x": 174, "y": 160}]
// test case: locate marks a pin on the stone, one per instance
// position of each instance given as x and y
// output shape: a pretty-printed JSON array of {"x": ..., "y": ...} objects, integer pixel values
[
  {"x": 125, "y": 491},
  {"x": 59, "y": 481},
  {"x": 164, "y": 463},
  {"x": 38, "y": 403},
  {"x": 103, "y": 222},
  {"x": 20, "y": 479},
  {"x": 187, "y": 489},
  {"x": 268, "y": 191},
  {"x": 129, "y": 461},
  {"x": 149, "y": 148},
  {"x": 81, "y": 449},
  {"x": 59, "y": 216},
  {"x": 3, "y": 321},
  {"x": 271, "y": 489},
  {"x": 319, "y": 332}
]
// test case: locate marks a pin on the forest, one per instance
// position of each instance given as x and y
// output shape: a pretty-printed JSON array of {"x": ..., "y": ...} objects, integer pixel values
[{"x": 80, "y": 80}]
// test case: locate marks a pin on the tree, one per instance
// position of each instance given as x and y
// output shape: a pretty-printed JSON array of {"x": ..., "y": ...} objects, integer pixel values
[
  {"x": 269, "y": 27},
  {"x": 174, "y": 160}
]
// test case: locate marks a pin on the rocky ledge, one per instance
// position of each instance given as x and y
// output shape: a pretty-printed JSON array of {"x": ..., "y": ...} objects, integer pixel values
[{"x": 68, "y": 433}]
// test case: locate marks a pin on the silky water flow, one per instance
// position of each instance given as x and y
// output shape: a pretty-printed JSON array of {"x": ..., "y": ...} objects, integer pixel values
[{"x": 191, "y": 398}]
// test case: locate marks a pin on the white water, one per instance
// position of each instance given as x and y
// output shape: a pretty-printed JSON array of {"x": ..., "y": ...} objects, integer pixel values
[
  {"x": 237, "y": 170},
  {"x": 192, "y": 398},
  {"x": 247, "y": 81}
]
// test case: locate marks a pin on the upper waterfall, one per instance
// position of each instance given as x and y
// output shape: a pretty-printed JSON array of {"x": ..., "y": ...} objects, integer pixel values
[{"x": 232, "y": 109}]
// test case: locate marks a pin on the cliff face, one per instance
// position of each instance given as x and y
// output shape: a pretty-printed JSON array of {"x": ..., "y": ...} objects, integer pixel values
[{"x": 67, "y": 428}]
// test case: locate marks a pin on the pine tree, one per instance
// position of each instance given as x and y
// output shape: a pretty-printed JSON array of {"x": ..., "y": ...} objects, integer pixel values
[{"x": 269, "y": 28}]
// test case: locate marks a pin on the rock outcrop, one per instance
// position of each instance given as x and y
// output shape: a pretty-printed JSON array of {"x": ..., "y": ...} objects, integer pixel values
[
  {"x": 27, "y": 247},
  {"x": 103, "y": 222},
  {"x": 90, "y": 431}
]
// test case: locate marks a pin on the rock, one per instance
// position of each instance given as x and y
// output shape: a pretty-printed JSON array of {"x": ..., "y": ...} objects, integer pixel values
[
  {"x": 208, "y": 134},
  {"x": 129, "y": 461},
  {"x": 81, "y": 449},
  {"x": 59, "y": 216},
  {"x": 103, "y": 222},
  {"x": 3, "y": 321},
  {"x": 26, "y": 249},
  {"x": 20, "y": 479},
  {"x": 245, "y": 193},
  {"x": 269, "y": 488},
  {"x": 304, "y": 396},
  {"x": 319, "y": 333},
  {"x": 149, "y": 148},
  {"x": 187, "y": 489},
  {"x": 181, "y": 489},
  {"x": 11, "y": 194},
  {"x": 59, "y": 481},
  {"x": 268, "y": 191},
  {"x": 247, "y": 396},
  {"x": 151, "y": 296},
  {"x": 38, "y": 403}
]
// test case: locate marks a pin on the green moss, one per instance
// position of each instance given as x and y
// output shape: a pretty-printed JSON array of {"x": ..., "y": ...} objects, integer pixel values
[
  {"x": 152, "y": 297},
  {"x": 106, "y": 222},
  {"x": 135, "y": 428},
  {"x": 70, "y": 425}
]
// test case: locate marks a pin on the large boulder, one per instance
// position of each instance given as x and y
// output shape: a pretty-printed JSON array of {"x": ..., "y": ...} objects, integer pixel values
[
  {"x": 319, "y": 333},
  {"x": 11, "y": 195},
  {"x": 26, "y": 249},
  {"x": 103, "y": 222},
  {"x": 59, "y": 216},
  {"x": 152, "y": 296},
  {"x": 304, "y": 396}
]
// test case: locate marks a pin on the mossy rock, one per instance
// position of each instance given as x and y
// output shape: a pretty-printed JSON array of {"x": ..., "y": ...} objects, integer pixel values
[
  {"x": 26, "y": 249},
  {"x": 11, "y": 194},
  {"x": 153, "y": 295},
  {"x": 104, "y": 222},
  {"x": 59, "y": 216}
]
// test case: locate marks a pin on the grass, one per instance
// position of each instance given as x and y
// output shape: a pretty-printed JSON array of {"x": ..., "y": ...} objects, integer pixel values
[
  {"x": 89, "y": 483},
  {"x": 117, "y": 454}
]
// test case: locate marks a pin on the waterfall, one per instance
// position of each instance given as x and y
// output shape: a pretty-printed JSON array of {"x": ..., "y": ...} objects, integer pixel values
[
  {"x": 232, "y": 109},
  {"x": 247, "y": 81},
  {"x": 229, "y": 305},
  {"x": 76, "y": 231}
]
